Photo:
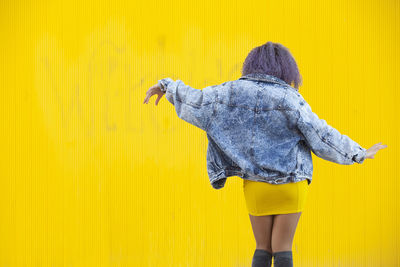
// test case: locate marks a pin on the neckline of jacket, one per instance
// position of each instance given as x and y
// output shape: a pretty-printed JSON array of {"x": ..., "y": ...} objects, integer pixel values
[{"x": 266, "y": 78}]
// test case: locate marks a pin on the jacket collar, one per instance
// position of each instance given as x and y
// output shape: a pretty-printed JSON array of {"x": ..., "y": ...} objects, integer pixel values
[{"x": 263, "y": 77}]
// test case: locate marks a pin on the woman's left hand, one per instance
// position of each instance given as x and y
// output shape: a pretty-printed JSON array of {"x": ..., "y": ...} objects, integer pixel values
[{"x": 154, "y": 90}]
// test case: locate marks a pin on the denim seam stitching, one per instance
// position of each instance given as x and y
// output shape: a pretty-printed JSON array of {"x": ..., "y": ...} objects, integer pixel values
[
  {"x": 253, "y": 109},
  {"x": 283, "y": 98},
  {"x": 214, "y": 110},
  {"x": 193, "y": 105}
]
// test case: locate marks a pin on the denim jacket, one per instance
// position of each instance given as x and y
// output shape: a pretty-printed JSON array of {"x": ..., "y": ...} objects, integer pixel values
[{"x": 259, "y": 128}]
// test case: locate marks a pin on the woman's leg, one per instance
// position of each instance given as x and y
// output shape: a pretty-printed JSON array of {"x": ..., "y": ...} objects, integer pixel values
[
  {"x": 262, "y": 229},
  {"x": 284, "y": 228}
]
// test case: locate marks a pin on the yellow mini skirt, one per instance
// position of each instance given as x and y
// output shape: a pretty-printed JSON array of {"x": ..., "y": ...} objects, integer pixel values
[{"x": 263, "y": 198}]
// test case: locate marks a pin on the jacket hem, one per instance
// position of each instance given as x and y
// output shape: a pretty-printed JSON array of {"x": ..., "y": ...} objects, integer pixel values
[{"x": 218, "y": 179}]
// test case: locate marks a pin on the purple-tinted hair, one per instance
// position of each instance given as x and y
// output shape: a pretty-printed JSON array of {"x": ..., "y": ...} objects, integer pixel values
[{"x": 273, "y": 59}]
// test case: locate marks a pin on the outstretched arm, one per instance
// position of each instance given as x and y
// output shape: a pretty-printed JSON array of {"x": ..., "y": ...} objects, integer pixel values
[
  {"x": 325, "y": 141},
  {"x": 191, "y": 105}
]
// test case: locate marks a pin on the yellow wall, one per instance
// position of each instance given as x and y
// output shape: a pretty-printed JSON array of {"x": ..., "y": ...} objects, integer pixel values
[{"x": 90, "y": 176}]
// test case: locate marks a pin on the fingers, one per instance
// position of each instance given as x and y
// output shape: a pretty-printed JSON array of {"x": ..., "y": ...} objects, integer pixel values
[
  {"x": 149, "y": 93},
  {"x": 155, "y": 89},
  {"x": 158, "y": 99},
  {"x": 379, "y": 146},
  {"x": 146, "y": 99},
  {"x": 374, "y": 149}
]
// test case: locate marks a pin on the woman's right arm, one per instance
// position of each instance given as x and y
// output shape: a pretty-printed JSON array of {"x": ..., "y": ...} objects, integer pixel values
[{"x": 325, "y": 141}]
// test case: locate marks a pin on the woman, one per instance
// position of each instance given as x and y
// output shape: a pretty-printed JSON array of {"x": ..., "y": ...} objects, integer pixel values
[{"x": 261, "y": 129}]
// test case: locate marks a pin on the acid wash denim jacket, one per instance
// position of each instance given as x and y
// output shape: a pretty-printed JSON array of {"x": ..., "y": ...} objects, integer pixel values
[{"x": 259, "y": 128}]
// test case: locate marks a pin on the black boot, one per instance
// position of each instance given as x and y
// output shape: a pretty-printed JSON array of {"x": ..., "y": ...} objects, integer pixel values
[
  {"x": 261, "y": 258},
  {"x": 283, "y": 259}
]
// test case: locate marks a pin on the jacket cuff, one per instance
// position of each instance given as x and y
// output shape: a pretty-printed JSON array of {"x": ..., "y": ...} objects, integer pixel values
[
  {"x": 163, "y": 83},
  {"x": 360, "y": 156}
]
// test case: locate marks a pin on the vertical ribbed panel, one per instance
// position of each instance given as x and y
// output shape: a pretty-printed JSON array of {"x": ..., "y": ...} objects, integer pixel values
[{"x": 90, "y": 176}]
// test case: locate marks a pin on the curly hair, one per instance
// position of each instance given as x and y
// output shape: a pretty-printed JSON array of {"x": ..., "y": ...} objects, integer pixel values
[{"x": 273, "y": 59}]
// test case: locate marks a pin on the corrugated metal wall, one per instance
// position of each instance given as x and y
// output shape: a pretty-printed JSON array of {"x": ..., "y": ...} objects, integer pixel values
[{"x": 90, "y": 176}]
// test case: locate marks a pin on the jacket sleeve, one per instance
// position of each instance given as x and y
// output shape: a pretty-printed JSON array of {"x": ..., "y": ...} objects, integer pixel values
[
  {"x": 325, "y": 141},
  {"x": 191, "y": 105}
]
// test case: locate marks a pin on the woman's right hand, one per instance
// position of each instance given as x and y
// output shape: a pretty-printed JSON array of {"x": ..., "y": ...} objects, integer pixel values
[{"x": 370, "y": 152}]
